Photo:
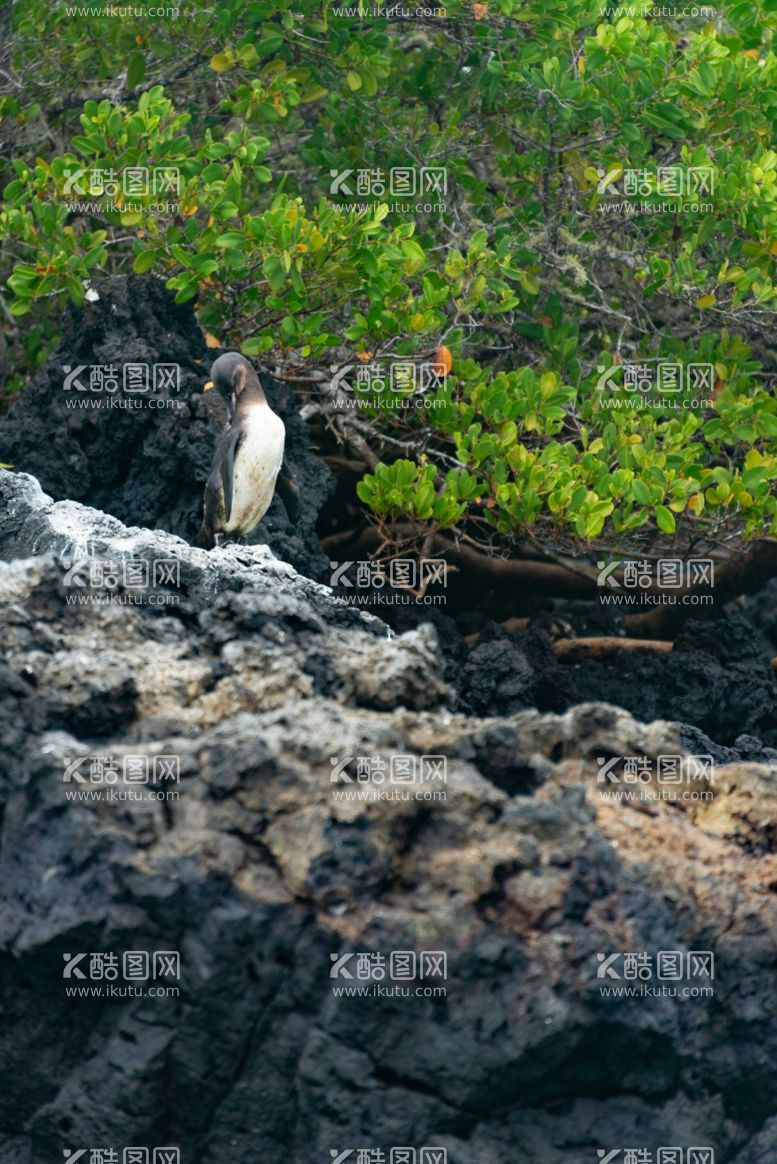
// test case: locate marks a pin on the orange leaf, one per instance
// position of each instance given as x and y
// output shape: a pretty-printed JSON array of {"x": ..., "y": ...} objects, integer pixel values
[{"x": 443, "y": 361}]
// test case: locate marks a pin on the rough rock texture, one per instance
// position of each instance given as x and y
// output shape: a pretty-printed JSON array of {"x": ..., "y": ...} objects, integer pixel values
[
  {"x": 717, "y": 678},
  {"x": 257, "y": 874},
  {"x": 148, "y": 466}
]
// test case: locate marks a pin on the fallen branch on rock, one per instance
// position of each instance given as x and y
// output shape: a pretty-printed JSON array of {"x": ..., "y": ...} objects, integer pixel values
[
  {"x": 601, "y": 647},
  {"x": 591, "y": 647}
]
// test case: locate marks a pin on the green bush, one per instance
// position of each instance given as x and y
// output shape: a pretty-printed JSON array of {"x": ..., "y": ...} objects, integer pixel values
[{"x": 528, "y": 275}]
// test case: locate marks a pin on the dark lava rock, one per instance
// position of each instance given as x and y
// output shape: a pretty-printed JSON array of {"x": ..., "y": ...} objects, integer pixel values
[
  {"x": 724, "y": 700},
  {"x": 260, "y": 872},
  {"x": 497, "y": 677},
  {"x": 718, "y": 678}
]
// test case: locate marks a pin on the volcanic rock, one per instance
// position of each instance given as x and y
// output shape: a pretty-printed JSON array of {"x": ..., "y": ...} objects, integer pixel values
[{"x": 278, "y": 856}]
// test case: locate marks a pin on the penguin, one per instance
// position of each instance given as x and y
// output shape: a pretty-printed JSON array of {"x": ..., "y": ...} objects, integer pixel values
[{"x": 249, "y": 463}]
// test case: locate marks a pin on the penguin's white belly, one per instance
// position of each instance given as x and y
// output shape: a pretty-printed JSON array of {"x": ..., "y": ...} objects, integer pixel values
[{"x": 257, "y": 462}]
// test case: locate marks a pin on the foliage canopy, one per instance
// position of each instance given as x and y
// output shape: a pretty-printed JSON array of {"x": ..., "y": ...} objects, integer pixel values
[{"x": 555, "y": 254}]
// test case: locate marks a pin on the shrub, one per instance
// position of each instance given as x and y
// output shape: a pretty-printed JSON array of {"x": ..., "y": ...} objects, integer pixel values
[{"x": 545, "y": 277}]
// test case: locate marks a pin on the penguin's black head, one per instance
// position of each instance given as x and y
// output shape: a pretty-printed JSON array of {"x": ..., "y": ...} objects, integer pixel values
[{"x": 232, "y": 375}]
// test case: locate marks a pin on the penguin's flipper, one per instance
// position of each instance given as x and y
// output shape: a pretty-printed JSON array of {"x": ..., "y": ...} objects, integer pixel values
[
  {"x": 288, "y": 491},
  {"x": 228, "y": 469}
]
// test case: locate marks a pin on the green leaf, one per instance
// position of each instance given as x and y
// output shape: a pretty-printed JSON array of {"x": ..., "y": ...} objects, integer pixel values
[
  {"x": 144, "y": 262},
  {"x": 247, "y": 55},
  {"x": 221, "y": 62},
  {"x": 369, "y": 82},
  {"x": 665, "y": 519},
  {"x": 136, "y": 68},
  {"x": 415, "y": 256},
  {"x": 256, "y": 345},
  {"x": 369, "y": 262},
  {"x": 231, "y": 239},
  {"x": 529, "y": 283}
]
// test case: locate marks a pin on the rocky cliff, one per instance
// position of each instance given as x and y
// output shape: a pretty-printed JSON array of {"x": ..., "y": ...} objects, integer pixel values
[{"x": 287, "y": 841}]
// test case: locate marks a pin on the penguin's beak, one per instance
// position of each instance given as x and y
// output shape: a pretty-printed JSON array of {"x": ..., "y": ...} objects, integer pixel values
[{"x": 207, "y": 386}]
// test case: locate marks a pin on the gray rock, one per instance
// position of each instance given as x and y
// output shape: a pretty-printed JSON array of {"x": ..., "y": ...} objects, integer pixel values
[{"x": 260, "y": 869}]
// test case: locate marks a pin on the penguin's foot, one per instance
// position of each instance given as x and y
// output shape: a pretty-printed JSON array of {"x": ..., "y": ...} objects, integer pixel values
[{"x": 205, "y": 538}]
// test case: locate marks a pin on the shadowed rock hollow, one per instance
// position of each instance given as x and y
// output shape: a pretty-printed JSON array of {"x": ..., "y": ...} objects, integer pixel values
[
  {"x": 148, "y": 465},
  {"x": 257, "y": 874}
]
